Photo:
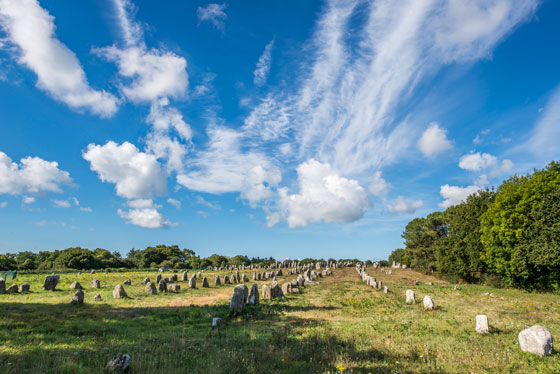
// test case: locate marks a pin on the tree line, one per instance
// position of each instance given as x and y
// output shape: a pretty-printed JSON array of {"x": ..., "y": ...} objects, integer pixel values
[
  {"x": 507, "y": 237},
  {"x": 151, "y": 257}
]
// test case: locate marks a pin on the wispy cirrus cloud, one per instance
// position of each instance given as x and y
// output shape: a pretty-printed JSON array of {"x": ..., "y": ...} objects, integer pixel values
[
  {"x": 213, "y": 13},
  {"x": 263, "y": 65}
]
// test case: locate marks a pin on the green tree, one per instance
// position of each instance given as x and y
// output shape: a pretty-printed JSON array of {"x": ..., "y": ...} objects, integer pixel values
[
  {"x": 76, "y": 258},
  {"x": 7, "y": 262},
  {"x": 422, "y": 236}
]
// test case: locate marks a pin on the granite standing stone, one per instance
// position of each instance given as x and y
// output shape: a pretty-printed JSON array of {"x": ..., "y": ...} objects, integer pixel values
[
  {"x": 536, "y": 339},
  {"x": 119, "y": 292},
  {"x": 482, "y": 324},
  {"x": 410, "y": 297},
  {"x": 78, "y": 297}
]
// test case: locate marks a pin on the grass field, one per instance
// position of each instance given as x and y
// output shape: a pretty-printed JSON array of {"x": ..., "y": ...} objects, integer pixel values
[{"x": 338, "y": 325}]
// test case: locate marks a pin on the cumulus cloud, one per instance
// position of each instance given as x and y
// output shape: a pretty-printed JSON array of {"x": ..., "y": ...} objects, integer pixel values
[
  {"x": 401, "y": 205},
  {"x": 434, "y": 141},
  {"x": 152, "y": 74},
  {"x": 379, "y": 186},
  {"x": 477, "y": 161},
  {"x": 213, "y": 13},
  {"x": 31, "y": 28},
  {"x": 148, "y": 218},
  {"x": 28, "y": 199},
  {"x": 454, "y": 195},
  {"x": 263, "y": 65},
  {"x": 135, "y": 174},
  {"x": 32, "y": 175},
  {"x": 323, "y": 196}
]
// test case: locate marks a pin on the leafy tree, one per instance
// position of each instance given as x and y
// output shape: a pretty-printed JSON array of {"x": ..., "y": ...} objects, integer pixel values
[
  {"x": 26, "y": 260},
  {"x": 7, "y": 262},
  {"x": 399, "y": 255},
  {"x": 238, "y": 260},
  {"x": 422, "y": 236},
  {"x": 76, "y": 258}
]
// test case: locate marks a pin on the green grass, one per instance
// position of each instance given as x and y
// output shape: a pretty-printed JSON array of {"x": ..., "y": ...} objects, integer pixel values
[{"x": 339, "y": 322}]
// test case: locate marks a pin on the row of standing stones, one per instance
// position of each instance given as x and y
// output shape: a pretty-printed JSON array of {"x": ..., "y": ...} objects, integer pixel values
[{"x": 535, "y": 339}]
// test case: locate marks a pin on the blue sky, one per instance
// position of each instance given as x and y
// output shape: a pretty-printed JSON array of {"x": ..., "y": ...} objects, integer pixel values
[{"x": 287, "y": 129}]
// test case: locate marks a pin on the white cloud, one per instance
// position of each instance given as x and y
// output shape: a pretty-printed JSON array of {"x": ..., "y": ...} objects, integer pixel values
[
  {"x": 142, "y": 204},
  {"x": 224, "y": 167},
  {"x": 263, "y": 65},
  {"x": 28, "y": 199},
  {"x": 175, "y": 203},
  {"x": 135, "y": 174},
  {"x": 213, "y": 13},
  {"x": 153, "y": 73},
  {"x": 132, "y": 32},
  {"x": 454, "y": 195},
  {"x": 86, "y": 209},
  {"x": 379, "y": 186},
  {"x": 148, "y": 218},
  {"x": 433, "y": 141},
  {"x": 31, "y": 28},
  {"x": 61, "y": 203},
  {"x": 323, "y": 196},
  {"x": 33, "y": 176},
  {"x": 203, "y": 201},
  {"x": 477, "y": 161},
  {"x": 3, "y": 204},
  {"x": 400, "y": 205}
]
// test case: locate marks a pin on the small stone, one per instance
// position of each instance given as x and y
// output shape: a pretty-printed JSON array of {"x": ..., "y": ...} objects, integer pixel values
[
  {"x": 174, "y": 288},
  {"x": 146, "y": 281},
  {"x": 536, "y": 339},
  {"x": 482, "y": 324},
  {"x": 216, "y": 323},
  {"x": 78, "y": 297},
  {"x": 13, "y": 289},
  {"x": 2, "y": 286},
  {"x": 428, "y": 303},
  {"x": 75, "y": 286},
  {"x": 95, "y": 283},
  {"x": 410, "y": 298},
  {"x": 150, "y": 288},
  {"x": 456, "y": 287},
  {"x": 119, "y": 364},
  {"x": 25, "y": 287},
  {"x": 97, "y": 298},
  {"x": 119, "y": 292},
  {"x": 127, "y": 282},
  {"x": 385, "y": 289}
]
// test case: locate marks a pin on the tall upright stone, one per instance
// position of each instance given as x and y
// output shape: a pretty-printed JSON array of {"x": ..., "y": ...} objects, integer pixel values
[
  {"x": 119, "y": 292},
  {"x": 266, "y": 294},
  {"x": 2, "y": 286},
  {"x": 205, "y": 283},
  {"x": 150, "y": 288},
  {"x": 410, "y": 297},
  {"x": 192, "y": 282},
  {"x": 162, "y": 285},
  {"x": 254, "y": 295},
  {"x": 185, "y": 276},
  {"x": 217, "y": 281},
  {"x": 50, "y": 282},
  {"x": 428, "y": 303},
  {"x": 482, "y": 324},
  {"x": 237, "y": 303}
]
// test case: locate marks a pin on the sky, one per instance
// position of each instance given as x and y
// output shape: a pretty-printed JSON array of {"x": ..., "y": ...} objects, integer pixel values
[{"x": 286, "y": 128}]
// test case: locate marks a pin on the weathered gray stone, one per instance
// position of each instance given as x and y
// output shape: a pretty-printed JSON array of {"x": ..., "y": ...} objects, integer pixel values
[
  {"x": 185, "y": 276},
  {"x": 456, "y": 287},
  {"x": 410, "y": 298},
  {"x": 78, "y": 297},
  {"x": 175, "y": 288},
  {"x": 192, "y": 282},
  {"x": 205, "y": 283},
  {"x": 536, "y": 339},
  {"x": 150, "y": 288},
  {"x": 254, "y": 295},
  {"x": 287, "y": 288},
  {"x": 385, "y": 289},
  {"x": 428, "y": 303},
  {"x": 75, "y": 286},
  {"x": 119, "y": 292},
  {"x": 266, "y": 293},
  {"x": 237, "y": 303},
  {"x": 173, "y": 278},
  {"x": 162, "y": 286},
  {"x": 482, "y": 324},
  {"x": 97, "y": 298},
  {"x": 254, "y": 275},
  {"x": 119, "y": 364},
  {"x": 2, "y": 286},
  {"x": 158, "y": 278},
  {"x": 276, "y": 291},
  {"x": 127, "y": 282},
  {"x": 13, "y": 289},
  {"x": 217, "y": 281},
  {"x": 95, "y": 283},
  {"x": 226, "y": 279},
  {"x": 50, "y": 282},
  {"x": 25, "y": 287},
  {"x": 216, "y": 323},
  {"x": 145, "y": 280}
]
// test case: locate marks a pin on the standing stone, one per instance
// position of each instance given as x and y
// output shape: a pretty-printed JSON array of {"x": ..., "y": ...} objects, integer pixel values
[
  {"x": 95, "y": 283},
  {"x": 217, "y": 281},
  {"x": 50, "y": 282},
  {"x": 185, "y": 276},
  {"x": 150, "y": 289},
  {"x": 536, "y": 339},
  {"x": 482, "y": 324},
  {"x": 97, "y": 298},
  {"x": 158, "y": 278},
  {"x": 237, "y": 303},
  {"x": 226, "y": 280},
  {"x": 75, "y": 286},
  {"x": 145, "y": 280},
  {"x": 428, "y": 303},
  {"x": 2, "y": 286},
  {"x": 162, "y": 286},
  {"x": 410, "y": 298},
  {"x": 254, "y": 275},
  {"x": 276, "y": 291},
  {"x": 254, "y": 295},
  {"x": 127, "y": 282},
  {"x": 25, "y": 287},
  {"x": 192, "y": 282},
  {"x": 174, "y": 288},
  {"x": 174, "y": 278},
  {"x": 216, "y": 323},
  {"x": 287, "y": 288},
  {"x": 300, "y": 280},
  {"x": 119, "y": 292},
  {"x": 279, "y": 273},
  {"x": 266, "y": 294},
  {"x": 199, "y": 275},
  {"x": 205, "y": 283},
  {"x": 245, "y": 278},
  {"x": 119, "y": 364},
  {"x": 12, "y": 289},
  {"x": 78, "y": 297},
  {"x": 259, "y": 276}
]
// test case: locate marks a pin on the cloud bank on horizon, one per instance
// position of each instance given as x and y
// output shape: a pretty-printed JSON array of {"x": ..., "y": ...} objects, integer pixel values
[{"x": 312, "y": 147}]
